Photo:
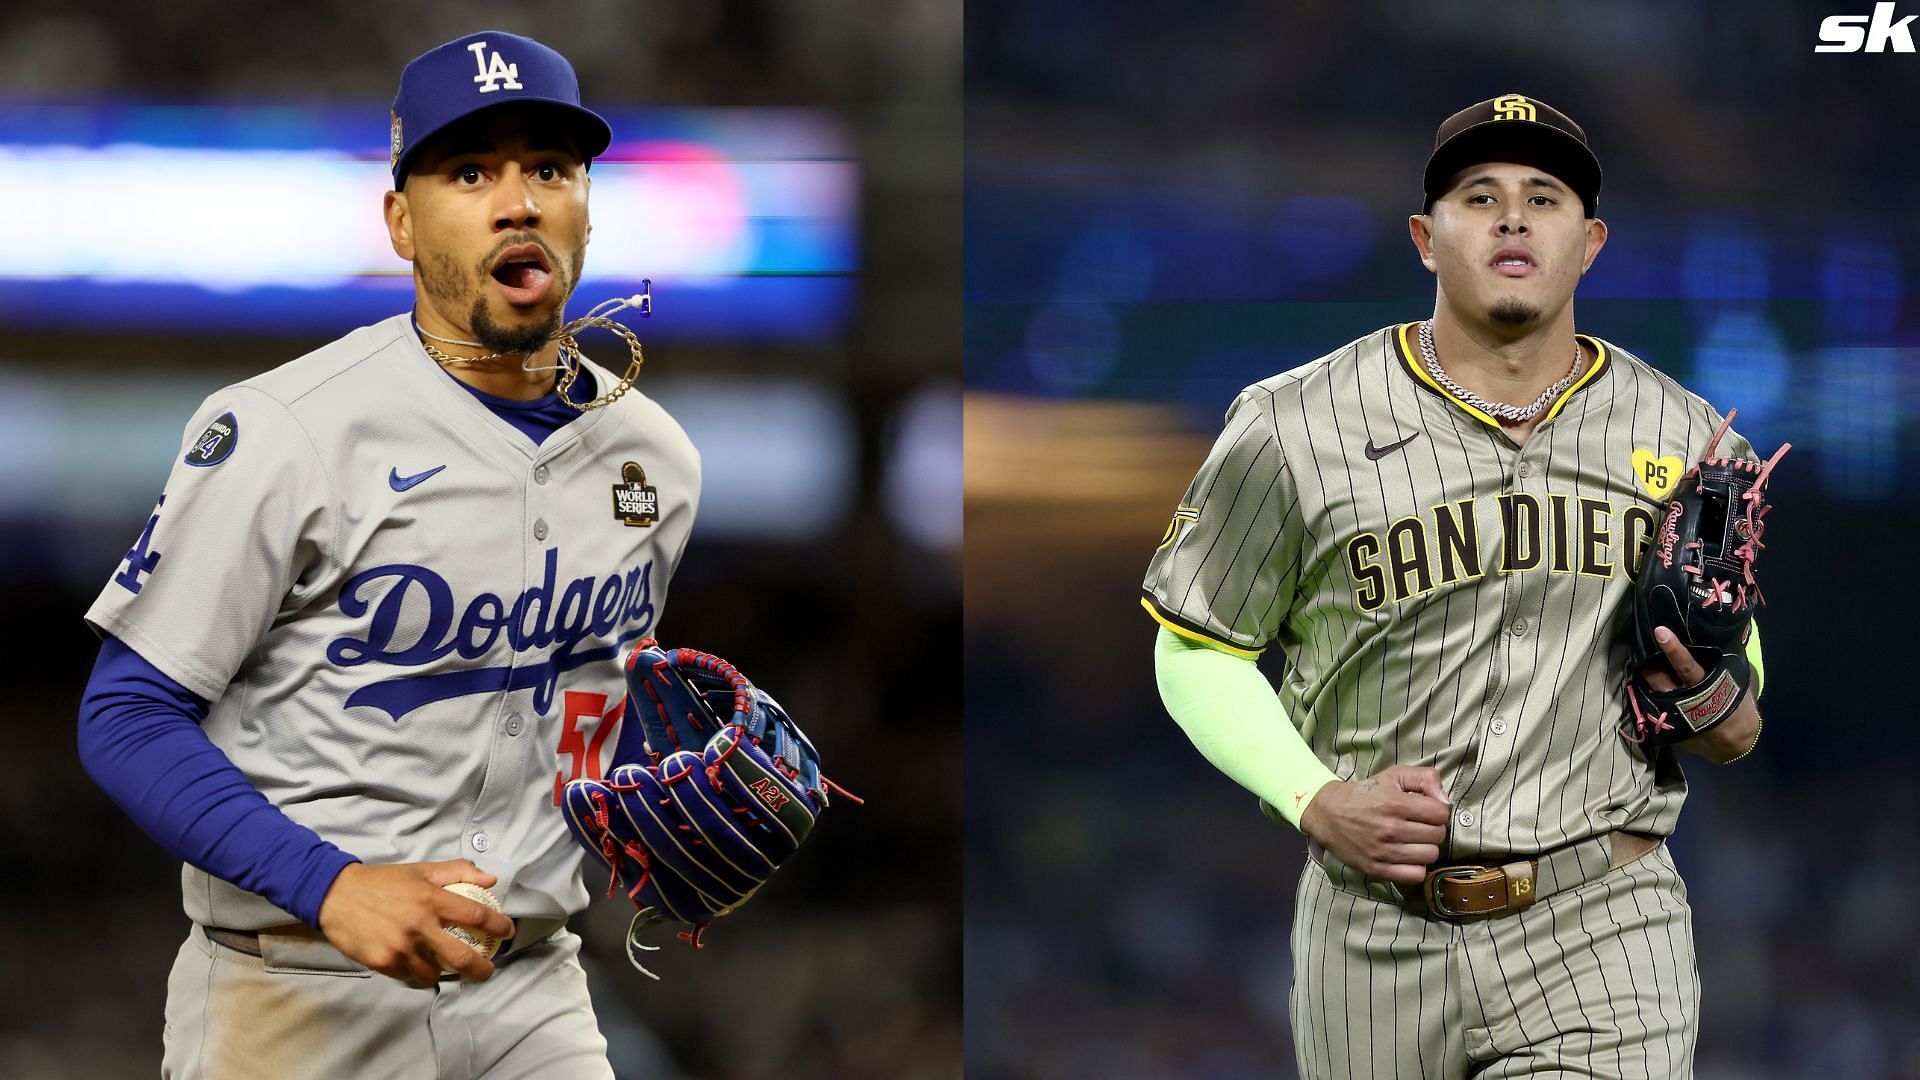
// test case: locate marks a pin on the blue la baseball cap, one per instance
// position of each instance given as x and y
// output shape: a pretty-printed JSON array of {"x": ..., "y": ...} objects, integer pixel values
[{"x": 481, "y": 71}]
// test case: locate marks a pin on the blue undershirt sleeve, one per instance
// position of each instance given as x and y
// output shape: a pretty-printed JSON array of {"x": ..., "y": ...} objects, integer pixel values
[{"x": 140, "y": 740}]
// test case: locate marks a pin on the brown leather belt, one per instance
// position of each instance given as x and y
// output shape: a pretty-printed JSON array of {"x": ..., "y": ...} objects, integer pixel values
[{"x": 1467, "y": 891}]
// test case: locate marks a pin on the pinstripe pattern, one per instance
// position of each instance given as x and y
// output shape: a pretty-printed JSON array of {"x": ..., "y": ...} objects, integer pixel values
[
  {"x": 1447, "y": 598},
  {"x": 1459, "y": 603},
  {"x": 1596, "y": 981}
]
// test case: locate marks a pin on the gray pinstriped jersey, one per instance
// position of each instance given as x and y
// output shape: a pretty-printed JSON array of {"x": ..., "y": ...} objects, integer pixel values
[
  {"x": 406, "y": 614},
  {"x": 1444, "y": 597}
]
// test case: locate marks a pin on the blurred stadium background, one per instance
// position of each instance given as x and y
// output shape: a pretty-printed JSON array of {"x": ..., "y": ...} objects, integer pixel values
[
  {"x": 195, "y": 195},
  {"x": 1167, "y": 201}
]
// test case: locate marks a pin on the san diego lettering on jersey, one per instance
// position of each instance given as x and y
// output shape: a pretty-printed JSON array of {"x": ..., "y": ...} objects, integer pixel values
[
  {"x": 1564, "y": 535},
  {"x": 590, "y": 609}
]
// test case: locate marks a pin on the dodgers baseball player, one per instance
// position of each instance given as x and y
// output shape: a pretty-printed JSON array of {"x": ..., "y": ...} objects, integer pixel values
[
  {"x": 372, "y": 627},
  {"x": 1439, "y": 524}
]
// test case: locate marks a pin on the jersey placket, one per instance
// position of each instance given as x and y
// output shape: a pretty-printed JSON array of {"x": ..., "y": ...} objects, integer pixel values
[
  {"x": 514, "y": 738},
  {"x": 1494, "y": 735}
]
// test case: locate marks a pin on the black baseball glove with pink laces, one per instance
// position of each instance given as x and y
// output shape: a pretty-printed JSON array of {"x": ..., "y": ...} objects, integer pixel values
[{"x": 1698, "y": 582}]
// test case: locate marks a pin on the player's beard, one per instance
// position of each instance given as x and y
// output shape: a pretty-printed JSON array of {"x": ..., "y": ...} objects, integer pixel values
[
  {"x": 1513, "y": 311},
  {"x": 511, "y": 339},
  {"x": 441, "y": 277}
]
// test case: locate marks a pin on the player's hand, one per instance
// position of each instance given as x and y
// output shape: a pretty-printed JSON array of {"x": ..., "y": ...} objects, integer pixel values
[
  {"x": 392, "y": 918},
  {"x": 1390, "y": 825},
  {"x": 1731, "y": 737}
]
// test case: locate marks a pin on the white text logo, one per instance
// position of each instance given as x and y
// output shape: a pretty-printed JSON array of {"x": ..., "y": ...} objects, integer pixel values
[
  {"x": 493, "y": 71},
  {"x": 1870, "y": 33}
]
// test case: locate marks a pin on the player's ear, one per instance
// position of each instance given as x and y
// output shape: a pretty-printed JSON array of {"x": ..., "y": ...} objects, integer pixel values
[
  {"x": 399, "y": 224},
  {"x": 1596, "y": 239},
  {"x": 1420, "y": 227}
]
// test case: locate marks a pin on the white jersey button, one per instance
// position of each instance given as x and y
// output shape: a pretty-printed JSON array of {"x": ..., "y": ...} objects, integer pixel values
[
  {"x": 480, "y": 842},
  {"x": 540, "y": 528},
  {"x": 1499, "y": 727},
  {"x": 1526, "y": 468},
  {"x": 540, "y": 474},
  {"x": 1519, "y": 628},
  {"x": 1465, "y": 819},
  {"x": 514, "y": 724}
]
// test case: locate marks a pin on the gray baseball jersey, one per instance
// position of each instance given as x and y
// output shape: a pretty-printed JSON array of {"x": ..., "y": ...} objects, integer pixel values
[
  {"x": 406, "y": 614},
  {"x": 1449, "y": 598},
  {"x": 1445, "y": 597}
]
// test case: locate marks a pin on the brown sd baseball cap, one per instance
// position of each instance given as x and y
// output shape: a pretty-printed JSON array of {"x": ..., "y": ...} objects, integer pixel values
[{"x": 1519, "y": 129}]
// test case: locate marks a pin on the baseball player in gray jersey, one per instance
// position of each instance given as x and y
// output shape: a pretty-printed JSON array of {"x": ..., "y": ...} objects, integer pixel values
[
  {"x": 373, "y": 627},
  {"x": 1439, "y": 524}
]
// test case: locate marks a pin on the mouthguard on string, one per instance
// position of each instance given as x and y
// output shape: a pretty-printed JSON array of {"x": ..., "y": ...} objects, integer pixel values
[
  {"x": 602, "y": 317},
  {"x": 570, "y": 351}
]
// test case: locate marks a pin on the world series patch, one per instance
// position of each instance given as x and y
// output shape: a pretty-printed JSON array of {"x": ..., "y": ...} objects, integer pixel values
[{"x": 634, "y": 503}]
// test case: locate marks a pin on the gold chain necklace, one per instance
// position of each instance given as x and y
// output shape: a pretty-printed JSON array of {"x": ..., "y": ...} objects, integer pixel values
[{"x": 641, "y": 302}]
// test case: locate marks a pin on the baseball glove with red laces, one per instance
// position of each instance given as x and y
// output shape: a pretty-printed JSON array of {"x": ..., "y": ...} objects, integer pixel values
[
  {"x": 713, "y": 789},
  {"x": 1698, "y": 582}
]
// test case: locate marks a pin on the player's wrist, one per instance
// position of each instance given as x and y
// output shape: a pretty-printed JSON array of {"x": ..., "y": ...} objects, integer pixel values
[
  {"x": 316, "y": 883},
  {"x": 337, "y": 889},
  {"x": 1317, "y": 808},
  {"x": 1752, "y": 743},
  {"x": 1730, "y": 740}
]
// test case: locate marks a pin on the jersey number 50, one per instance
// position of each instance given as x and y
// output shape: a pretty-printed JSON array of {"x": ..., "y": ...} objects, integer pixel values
[{"x": 578, "y": 705}]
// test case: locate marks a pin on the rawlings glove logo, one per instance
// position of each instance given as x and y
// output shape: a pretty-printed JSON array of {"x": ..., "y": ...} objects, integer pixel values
[
  {"x": 1703, "y": 710},
  {"x": 1670, "y": 533}
]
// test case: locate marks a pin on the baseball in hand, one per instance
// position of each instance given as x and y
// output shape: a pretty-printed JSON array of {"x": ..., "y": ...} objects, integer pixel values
[{"x": 478, "y": 940}]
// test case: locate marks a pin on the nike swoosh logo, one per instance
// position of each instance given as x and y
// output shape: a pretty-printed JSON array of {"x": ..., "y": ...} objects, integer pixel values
[
  {"x": 1375, "y": 453},
  {"x": 402, "y": 483}
]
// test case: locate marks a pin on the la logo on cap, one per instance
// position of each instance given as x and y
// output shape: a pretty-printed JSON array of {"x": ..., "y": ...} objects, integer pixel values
[
  {"x": 493, "y": 69},
  {"x": 1512, "y": 107}
]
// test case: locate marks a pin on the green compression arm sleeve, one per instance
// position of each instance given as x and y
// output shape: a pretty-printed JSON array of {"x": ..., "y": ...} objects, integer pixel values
[{"x": 1228, "y": 709}]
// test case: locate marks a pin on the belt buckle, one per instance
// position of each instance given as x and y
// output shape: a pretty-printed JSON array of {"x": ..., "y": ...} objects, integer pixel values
[{"x": 1466, "y": 874}]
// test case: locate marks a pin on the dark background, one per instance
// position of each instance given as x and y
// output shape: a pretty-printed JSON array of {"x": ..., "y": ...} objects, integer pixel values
[
  {"x": 1168, "y": 201},
  {"x": 847, "y": 965}
]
